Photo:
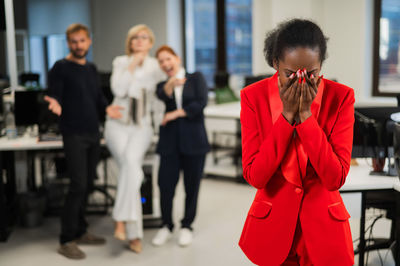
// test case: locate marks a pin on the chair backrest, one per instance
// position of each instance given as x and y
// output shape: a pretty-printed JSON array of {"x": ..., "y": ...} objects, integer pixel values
[{"x": 29, "y": 79}]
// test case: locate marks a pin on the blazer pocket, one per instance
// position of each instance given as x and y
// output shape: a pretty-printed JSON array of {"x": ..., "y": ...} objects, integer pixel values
[
  {"x": 338, "y": 211},
  {"x": 260, "y": 209}
]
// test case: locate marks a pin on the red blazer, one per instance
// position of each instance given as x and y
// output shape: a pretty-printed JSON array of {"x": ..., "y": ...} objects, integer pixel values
[{"x": 315, "y": 202}]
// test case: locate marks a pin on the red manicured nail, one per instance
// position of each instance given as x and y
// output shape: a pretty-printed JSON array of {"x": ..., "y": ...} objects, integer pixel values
[
  {"x": 322, "y": 76},
  {"x": 312, "y": 76},
  {"x": 304, "y": 80},
  {"x": 299, "y": 80},
  {"x": 291, "y": 76}
]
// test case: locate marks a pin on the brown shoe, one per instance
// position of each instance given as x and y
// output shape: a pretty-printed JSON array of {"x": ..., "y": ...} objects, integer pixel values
[
  {"x": 135, "y": 245},
  {"x": 71, "y": 251},
  {"x": 90, "y": 239}
]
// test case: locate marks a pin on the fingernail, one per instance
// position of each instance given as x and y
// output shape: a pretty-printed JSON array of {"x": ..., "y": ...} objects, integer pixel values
[
  {"x": 291, "y": 76},
  {"x": 312, "y": 76},
  {"x": 298, "y": 73},
  {"x": 304, "y": 80},
  {"x": 322, "y": 76},
  {"x": 299, "y": 80}
]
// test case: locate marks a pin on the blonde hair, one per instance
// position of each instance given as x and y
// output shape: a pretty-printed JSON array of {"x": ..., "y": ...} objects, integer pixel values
[
  {"x": 132, "y": 32},
  {"x": 75, "y": 27}
]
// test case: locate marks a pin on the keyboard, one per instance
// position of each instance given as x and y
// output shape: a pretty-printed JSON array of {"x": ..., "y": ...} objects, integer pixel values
[{"x": 50, "y": 137}]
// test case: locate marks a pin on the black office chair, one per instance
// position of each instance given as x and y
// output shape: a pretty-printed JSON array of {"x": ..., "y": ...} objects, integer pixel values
[
  {"x": 56, "y": 188},
  {"x": 386, "y": 200},
  {"x": 29, "y": 80}
]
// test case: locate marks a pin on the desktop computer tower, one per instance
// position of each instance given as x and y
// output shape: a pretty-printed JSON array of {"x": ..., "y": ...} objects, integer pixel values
[{"x": 150, "y": 192}]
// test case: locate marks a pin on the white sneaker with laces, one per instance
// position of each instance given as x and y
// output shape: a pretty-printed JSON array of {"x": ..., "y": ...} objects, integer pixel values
[
  {"x": 185, "y": 237},
  {"x": 162, "y": 236}
]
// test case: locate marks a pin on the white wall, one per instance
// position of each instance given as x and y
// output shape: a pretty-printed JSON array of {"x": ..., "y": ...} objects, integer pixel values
[
  {"x": 174, "y": 26},
  {"x": 47, "y": 17},
  {"x": 111, "y": 21},
  {"x": 348, "y": 24}
]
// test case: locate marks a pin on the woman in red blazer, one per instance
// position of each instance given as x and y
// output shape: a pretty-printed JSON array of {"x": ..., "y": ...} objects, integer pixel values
[{"x": 297, "y": 131}]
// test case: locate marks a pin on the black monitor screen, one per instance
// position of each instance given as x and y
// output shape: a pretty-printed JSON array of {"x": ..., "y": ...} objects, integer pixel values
[
  {"x": 373, "y": 132},
  {"x": 30, "y": 108},
  {"x": 26, "y": 107}
]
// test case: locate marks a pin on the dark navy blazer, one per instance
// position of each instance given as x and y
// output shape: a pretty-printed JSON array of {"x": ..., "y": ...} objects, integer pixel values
[{"x": 185, "y": 135}]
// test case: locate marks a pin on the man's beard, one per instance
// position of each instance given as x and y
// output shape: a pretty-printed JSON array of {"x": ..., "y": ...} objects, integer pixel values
[{"x": 78, "y": 55}]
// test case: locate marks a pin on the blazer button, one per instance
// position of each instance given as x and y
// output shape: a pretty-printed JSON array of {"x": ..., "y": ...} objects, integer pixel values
[{"x": 298, "y": 190}]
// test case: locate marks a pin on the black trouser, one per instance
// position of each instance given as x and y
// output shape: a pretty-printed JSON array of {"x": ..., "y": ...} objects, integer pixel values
[
  {"x": 168, "y": 176},
  {"x": 82, "y": 155}
]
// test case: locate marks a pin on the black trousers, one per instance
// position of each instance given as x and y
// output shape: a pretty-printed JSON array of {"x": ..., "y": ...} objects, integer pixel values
[
  {"x": 168, "y": 176},
  {"x": 82, "y": 155}
]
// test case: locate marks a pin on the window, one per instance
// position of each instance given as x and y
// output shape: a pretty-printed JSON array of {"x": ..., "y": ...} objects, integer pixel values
[
  {"x": 203, "y": 43},
  {"x": 201, "y": 36},
  {"x": 386, "y": 48},
  {"x": 238, "y": 36}
]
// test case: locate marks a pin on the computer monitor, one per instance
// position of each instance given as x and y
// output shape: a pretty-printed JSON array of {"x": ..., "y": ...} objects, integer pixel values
[
  {"x": 373, "y": 132},
  {"x": 30, "y": 108},
  {"x": 252, "y": 79},
  {"x": 26, "y": 107},
  {"x": 373, "y": 136}
]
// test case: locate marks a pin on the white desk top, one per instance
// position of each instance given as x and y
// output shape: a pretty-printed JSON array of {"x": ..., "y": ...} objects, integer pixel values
[
  {"x": 27, "y": 143},
  {"x": 360, "y": 179},
  {"x": 33, "y": 143},
  {"x": 225, "y": 110}
]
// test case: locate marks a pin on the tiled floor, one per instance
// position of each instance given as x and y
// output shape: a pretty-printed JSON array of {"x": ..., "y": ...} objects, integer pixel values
[{"x": 222, "y": 209}]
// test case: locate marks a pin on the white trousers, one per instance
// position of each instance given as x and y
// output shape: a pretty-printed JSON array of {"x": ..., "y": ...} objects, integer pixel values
[{"x": 128, "y": 145}]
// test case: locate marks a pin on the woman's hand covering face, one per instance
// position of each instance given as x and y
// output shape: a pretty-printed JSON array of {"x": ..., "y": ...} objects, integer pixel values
[{"x": 298, "y": 94}]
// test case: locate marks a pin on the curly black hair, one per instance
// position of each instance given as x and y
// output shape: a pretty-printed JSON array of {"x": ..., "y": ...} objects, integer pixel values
[{"x": 291, "y": 34}]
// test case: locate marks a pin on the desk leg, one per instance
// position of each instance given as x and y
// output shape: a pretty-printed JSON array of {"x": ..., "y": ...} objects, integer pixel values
[
  {"x": 238, "y": 152},
  {"x": 361, "y": 245},
  {"x": 396, "y": 249}
]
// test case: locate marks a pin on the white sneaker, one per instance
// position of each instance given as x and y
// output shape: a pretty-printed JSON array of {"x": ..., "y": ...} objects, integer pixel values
[
  {"x": 185, "y": 237},
  {"x": 162, "y": 236}
]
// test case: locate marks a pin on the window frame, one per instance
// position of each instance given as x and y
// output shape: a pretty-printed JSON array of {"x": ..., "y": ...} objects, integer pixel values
[{"x": 376, "y": 50}]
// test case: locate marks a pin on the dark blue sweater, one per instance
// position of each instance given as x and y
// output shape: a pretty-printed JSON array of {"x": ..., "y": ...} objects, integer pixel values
[{"x": 77, "y": 88}]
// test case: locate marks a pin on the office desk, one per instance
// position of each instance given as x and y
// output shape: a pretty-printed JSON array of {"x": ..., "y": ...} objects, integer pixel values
[
  {"x": 27, "y": 143},
  {"x": 223, "y": 111},
  {"x": 226, "y": 118},
  {"x": 31, "y": 145},
  {"x": 359, "y": 181},
  {"x": 24, "y": 165}
]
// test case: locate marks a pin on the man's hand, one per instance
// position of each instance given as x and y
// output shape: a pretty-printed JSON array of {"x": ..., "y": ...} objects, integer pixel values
[
  {"x": 113, "y": 111},
  {"x": 54, "y": 106}
]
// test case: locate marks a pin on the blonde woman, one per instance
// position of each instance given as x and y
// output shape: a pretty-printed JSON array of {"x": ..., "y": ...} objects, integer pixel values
[{"x": 133, "y": 80}]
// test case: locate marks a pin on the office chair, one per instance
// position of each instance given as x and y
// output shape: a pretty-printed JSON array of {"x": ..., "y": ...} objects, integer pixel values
[{"x": 29, "y": 80}]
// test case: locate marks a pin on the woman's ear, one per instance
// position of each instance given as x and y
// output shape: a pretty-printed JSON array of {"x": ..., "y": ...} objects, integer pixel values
[{"x": 275, "y": 64}]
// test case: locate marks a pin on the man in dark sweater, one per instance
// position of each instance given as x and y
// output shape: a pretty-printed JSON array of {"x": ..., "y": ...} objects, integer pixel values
[{"x": 77, "y": 98}]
